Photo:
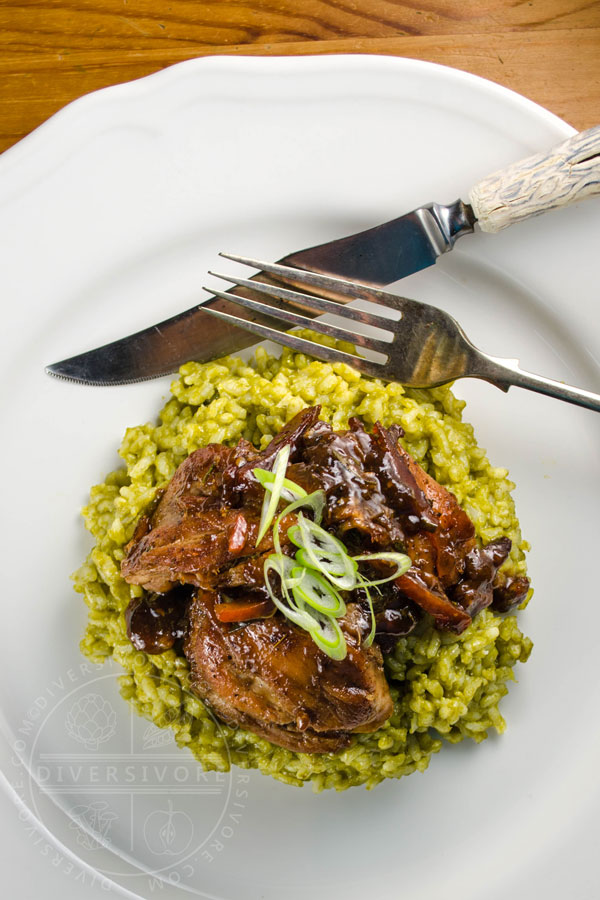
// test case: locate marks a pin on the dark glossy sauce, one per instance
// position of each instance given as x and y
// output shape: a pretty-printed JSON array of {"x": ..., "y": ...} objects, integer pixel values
[
  {"x": 392, "y": 624},
  {"x": 156, "y": 622}
]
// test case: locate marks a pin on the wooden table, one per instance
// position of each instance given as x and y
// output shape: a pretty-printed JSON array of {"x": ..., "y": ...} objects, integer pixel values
[{"x": 53, "y": 51}]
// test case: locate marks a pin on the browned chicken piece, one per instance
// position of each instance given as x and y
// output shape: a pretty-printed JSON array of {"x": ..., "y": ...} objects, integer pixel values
[
  {"x": 187, "y": 528},
  {"x": 200, "y": 550},
  {"x": 454, "y": 536},
  {"x": 208, "y": 516},
  {"x": 270, "y": 677},
  {"x": 451, "y": 578},
  {"x": 195, "y": 484},
  {"x": 240, "y": 485},
  {"x": 190, "y": 551},
  {"x": 248, "y": 573},
  {"x": 191, "y": 536}
]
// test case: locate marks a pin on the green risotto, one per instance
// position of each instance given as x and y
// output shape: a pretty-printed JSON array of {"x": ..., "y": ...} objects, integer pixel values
[{"x": 444, "y": 687}]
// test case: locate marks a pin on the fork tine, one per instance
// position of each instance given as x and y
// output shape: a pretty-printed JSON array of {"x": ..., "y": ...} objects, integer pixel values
[
  {"x": 316, "y": 304},
  {"x": 294, "y": 342},
  {"x": 286, "y": 315},
  {"x": 322, "y": 282}
]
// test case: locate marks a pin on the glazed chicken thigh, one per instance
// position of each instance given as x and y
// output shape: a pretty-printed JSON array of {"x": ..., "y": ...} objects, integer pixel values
[{"x": 270, "y": 677}]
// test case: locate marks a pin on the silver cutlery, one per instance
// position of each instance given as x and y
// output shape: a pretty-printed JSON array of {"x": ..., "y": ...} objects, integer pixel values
[
  {"x": 424, "y": 348},
  {"x": 379, "y": 256}
]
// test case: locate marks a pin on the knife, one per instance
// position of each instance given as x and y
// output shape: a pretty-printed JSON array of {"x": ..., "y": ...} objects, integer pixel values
[{"x": 378, "y": 256}]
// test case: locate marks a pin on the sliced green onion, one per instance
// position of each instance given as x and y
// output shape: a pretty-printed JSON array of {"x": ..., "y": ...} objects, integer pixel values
[
  {"x": 322, "y": 551},
  {"x": 328, "y": 636},
  {"x": 323, "y": 629},
  {"x": 403, "y": 564},
  {"x": 283, "y": 565},
  {"x": 289, "y": 491},
  {"x": 314, "y": 590},
  {"x": 270, "y": 503}
]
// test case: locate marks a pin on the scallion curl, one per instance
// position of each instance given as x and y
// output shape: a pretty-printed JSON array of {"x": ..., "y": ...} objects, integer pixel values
[{"x": 403, "y": 564}]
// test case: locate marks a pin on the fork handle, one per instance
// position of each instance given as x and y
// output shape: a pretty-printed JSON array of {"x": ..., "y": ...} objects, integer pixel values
[
  {"x": 505, "y": 373},
  {"x": 568, "y": 173}
]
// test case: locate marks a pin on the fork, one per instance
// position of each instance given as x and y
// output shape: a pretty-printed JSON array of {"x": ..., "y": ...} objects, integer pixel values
[{"x": 424, "y": 348}]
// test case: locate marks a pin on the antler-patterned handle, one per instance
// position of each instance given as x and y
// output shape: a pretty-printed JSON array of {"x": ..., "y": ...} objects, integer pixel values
[{"x": 568, "y": 173}]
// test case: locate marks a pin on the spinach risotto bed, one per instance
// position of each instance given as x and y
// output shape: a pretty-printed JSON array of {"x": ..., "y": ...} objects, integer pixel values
[{"x": 308, "y": 572}]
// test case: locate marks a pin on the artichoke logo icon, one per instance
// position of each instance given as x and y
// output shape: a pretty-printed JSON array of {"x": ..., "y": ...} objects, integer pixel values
[{"x": 91, "y": 721}]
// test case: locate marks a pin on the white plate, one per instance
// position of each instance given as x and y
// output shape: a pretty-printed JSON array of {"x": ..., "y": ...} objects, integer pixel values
[{"x": 110, "y": 215}]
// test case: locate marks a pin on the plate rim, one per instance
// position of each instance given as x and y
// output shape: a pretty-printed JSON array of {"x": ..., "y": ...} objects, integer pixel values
[{"x": 76, "y": 111}]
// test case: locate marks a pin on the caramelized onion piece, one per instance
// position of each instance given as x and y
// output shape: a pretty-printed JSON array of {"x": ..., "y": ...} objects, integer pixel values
[
  {"x": 437, "y": 604},
  {"x": 510, "y": 594}
]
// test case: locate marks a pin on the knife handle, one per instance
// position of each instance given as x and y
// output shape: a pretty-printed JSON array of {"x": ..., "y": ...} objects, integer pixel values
[{"x": 568, "y": 173}]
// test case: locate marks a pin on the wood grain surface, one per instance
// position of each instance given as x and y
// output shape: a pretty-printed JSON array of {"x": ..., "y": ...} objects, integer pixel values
[{"x": 52, "y": 52}]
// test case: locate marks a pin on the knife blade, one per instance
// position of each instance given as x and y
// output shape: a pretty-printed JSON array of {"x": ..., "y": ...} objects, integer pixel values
[{"x": 378, "y": 256}]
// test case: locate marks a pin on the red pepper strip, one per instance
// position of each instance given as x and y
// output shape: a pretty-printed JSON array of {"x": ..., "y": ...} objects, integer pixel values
[{"x": 243, "y": 610}]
